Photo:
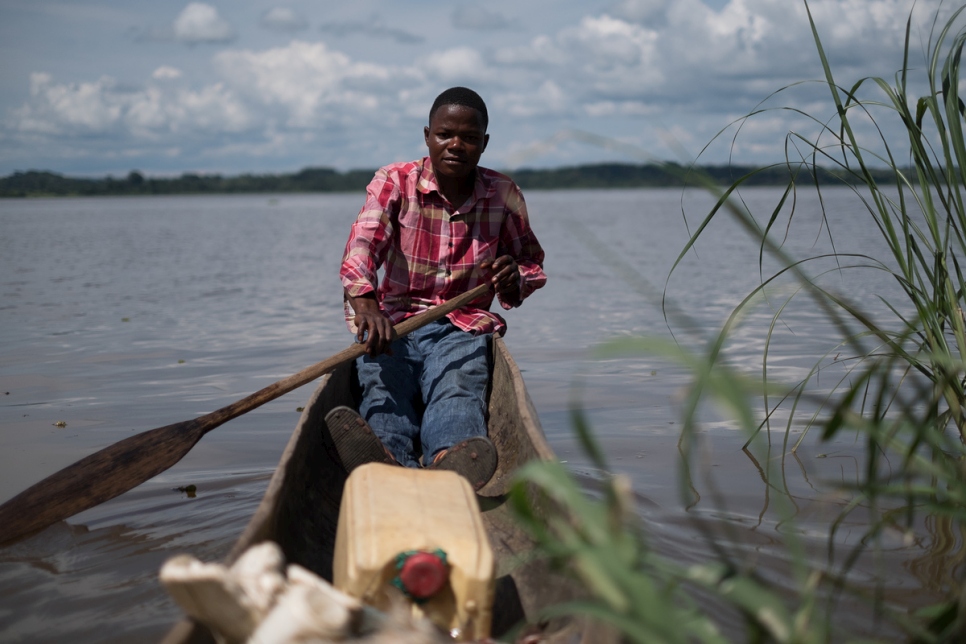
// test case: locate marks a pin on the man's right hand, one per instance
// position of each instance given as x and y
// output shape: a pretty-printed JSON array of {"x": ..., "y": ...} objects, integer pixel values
[{"x": 374, "y": 328}]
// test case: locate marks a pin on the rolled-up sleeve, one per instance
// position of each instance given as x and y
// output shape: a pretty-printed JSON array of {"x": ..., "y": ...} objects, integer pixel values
[
  {"x": 369, "y": 237},
  {"x": 519, "y": 242}
]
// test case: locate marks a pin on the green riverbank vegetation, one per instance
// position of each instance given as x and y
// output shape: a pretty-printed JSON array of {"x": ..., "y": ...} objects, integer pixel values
[
  {"x": 897, "y": 392},
  {"x": 604, "y": 175}
]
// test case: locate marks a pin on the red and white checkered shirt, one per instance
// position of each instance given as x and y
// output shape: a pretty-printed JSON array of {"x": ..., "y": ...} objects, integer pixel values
[{"x": 429, "y": 250}]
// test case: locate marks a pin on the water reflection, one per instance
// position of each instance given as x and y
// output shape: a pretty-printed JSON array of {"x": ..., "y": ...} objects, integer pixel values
[{"x": 941, "y": 566}]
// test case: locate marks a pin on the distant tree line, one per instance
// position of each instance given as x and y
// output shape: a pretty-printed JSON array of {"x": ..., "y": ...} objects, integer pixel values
[
  {"x": 39, "y": 184},
  {"x": 622, "y": 175},
  {"x": 604, "y": 175}
]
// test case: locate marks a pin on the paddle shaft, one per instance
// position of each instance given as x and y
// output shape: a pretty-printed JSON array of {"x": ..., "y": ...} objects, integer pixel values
[{"x": 114, "y": 470}]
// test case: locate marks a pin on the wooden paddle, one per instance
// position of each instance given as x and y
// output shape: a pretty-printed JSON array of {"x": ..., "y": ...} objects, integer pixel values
[{"x": 116, "y": 469}]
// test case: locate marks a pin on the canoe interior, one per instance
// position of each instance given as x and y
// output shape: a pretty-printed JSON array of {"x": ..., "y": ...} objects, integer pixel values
[{"x": 300, "y": 509}]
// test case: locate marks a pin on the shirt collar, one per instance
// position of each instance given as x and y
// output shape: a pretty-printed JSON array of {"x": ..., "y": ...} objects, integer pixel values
[{"x": 427, "y": 183}]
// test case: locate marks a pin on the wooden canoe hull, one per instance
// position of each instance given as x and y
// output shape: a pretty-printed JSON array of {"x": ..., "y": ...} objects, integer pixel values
[{"x": 300, "y": 508}]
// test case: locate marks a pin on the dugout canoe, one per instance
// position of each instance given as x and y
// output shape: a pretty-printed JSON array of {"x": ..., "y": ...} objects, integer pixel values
[{"x": 300, "y": 508}]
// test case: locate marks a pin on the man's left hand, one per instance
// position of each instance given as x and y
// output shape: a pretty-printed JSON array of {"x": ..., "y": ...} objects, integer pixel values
[{"x": 505, "y": 275}]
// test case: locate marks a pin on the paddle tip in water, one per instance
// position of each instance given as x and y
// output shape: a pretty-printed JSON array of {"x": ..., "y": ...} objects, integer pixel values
[
  {"x": 97, "y": 478},
  {"x": 123, "y": 466}
]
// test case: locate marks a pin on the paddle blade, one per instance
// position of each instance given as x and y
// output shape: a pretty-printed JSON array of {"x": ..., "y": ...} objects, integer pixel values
[
  {"x": 123, "y": 466},
  {"x": 96, "y": 478}
]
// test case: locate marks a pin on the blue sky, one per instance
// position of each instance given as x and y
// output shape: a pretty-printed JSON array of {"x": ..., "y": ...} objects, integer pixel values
[{"x": 90, "y": 87}]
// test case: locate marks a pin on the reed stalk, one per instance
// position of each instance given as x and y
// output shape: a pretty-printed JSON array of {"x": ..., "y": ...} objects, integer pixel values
[{"x": 903, "y": 393}]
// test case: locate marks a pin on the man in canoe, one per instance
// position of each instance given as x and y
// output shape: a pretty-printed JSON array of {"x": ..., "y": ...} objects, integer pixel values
[{"x": 438, "y": 227}]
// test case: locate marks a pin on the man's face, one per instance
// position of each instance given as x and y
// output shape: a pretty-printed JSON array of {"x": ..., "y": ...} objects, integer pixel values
[{"x": 455, "y": 139}]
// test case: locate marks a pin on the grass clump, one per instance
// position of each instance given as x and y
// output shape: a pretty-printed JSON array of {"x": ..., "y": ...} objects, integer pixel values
[{"x": 901, "y": 389}]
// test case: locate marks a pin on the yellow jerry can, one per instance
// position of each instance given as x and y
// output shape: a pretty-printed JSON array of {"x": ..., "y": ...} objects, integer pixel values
[{"x": 418, "y": 532}]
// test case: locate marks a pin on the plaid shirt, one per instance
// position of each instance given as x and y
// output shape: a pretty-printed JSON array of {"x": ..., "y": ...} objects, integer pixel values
[{"x": 429, "y": 250}]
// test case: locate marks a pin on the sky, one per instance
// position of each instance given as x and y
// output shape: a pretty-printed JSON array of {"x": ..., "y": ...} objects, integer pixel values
[{"x": 95, "y": 87}]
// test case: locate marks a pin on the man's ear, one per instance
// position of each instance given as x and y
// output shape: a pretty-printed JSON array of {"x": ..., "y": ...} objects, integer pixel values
[
  {"x": 426, "y": 134},
  {"x": 486, "y": 140}
]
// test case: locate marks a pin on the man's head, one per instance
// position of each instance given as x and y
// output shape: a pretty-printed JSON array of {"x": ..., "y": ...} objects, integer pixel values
[
  {"x": 461, "y": 96},
  {"x": 456, "y": 135}
]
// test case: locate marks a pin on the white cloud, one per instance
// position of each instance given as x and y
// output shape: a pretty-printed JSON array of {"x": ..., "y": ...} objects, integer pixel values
[
  {"x": 166, "y": 72},
  {"x": 313, "y": 83},
  {"x": 602, "y": 57},
  {"x": 772, "y": 38},
  {"x": 637, "y": 71},
  {"x": 653, "y": 52},
  {"x": 682, "y": 71},
  {"x": 75, "y": 107},
  {"x": 149, "y": 113},
  {"x": 609, "y": 109},
  {"x": 200, "y": 23},
  {"x": 457, "y": 65},
  {"x": 548, "y": 99},
  {"x": 214, "y": 108},
  {"x": 606, "y": 44},
  {"x": 267, "y": 97},
  {"x": 284, "y": 20},
  {"x": 543, "y": 50},
  {"x": 104, "y": 108}
]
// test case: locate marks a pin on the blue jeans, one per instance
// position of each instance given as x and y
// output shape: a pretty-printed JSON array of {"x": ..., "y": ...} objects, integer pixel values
[{"x": 429, "y": 394}]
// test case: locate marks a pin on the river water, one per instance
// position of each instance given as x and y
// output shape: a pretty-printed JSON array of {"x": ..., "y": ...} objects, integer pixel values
[{"x": 119, "y": 315}]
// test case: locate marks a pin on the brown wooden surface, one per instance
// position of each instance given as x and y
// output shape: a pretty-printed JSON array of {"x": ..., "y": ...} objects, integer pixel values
[{"x": 116, "y": 469}]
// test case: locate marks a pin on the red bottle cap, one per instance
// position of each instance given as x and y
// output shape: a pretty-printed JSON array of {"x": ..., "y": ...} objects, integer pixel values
[{"x": 423, "y": 574}]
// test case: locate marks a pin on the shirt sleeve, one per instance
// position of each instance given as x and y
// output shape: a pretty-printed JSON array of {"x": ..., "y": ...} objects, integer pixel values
[
  {"x": 370, "y": 235},
  {"x": 518, "y": 241}
]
